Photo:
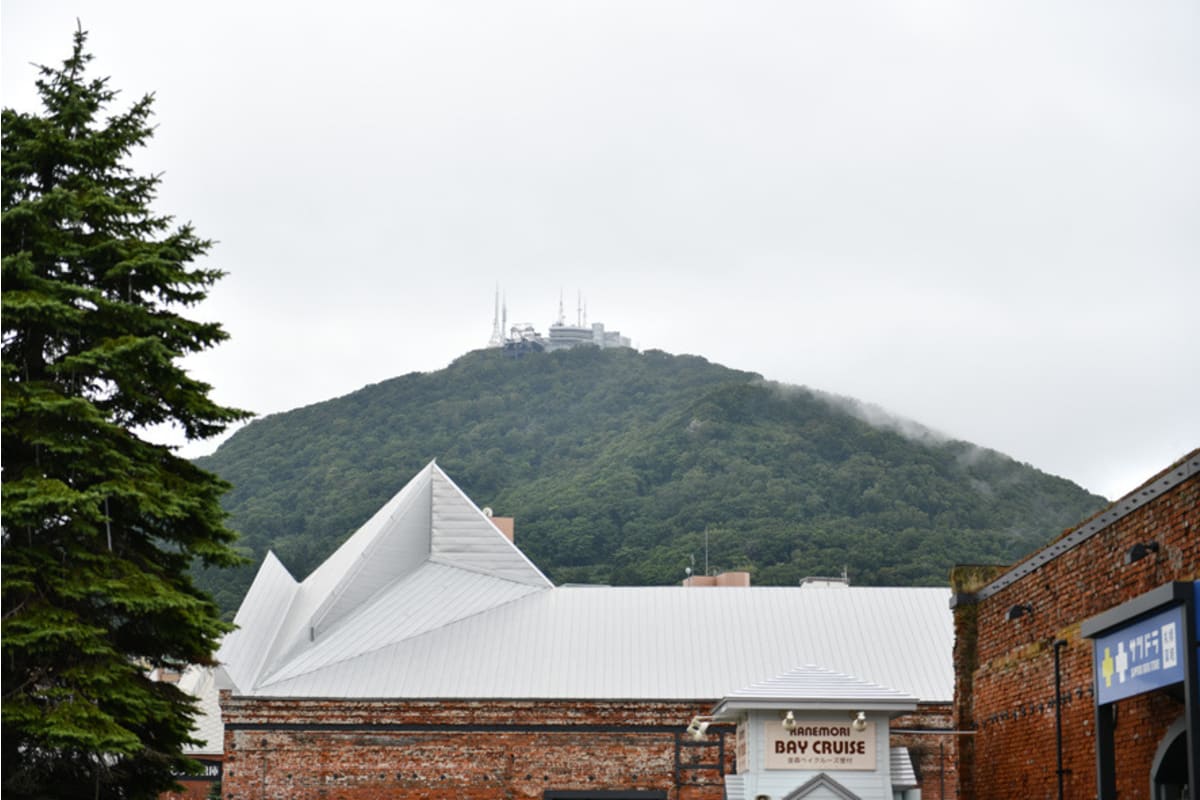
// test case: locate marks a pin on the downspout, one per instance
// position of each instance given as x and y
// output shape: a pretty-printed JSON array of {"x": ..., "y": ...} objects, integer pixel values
[
  {"x": 942, "y": 770},
  {"x": 1058, "y": 735}
]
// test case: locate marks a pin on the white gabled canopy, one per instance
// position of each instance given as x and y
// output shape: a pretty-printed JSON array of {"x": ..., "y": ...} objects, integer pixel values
[
  {"x": 429, "y": 600},
  {"x": 815, "y": 688}
]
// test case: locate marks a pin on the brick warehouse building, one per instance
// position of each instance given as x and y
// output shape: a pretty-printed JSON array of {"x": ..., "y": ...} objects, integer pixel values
[
  {"x": 428, "y": 658},
  {"x": 1136, "y": 560}
]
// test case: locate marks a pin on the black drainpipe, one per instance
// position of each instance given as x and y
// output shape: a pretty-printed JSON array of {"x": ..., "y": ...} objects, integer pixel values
[{"x": 1058, "y": 738}]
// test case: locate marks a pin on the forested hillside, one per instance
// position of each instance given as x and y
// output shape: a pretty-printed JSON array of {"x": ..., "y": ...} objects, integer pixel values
[{"x": 618, "y": 465}]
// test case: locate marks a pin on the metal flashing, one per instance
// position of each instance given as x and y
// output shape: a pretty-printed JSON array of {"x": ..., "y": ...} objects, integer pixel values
[{"x": 1188, "y": 467}]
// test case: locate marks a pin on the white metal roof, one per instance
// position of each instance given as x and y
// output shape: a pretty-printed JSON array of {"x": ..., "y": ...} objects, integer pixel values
[
  {"x": 430, "y": 597},
  {"x": 811, "y": 686},
  {"x": 244, "y": 652},
  {"x": 463, "y": 614},
  {"x": 428, "y": 557},
  {"x": 207, "y": 728}
]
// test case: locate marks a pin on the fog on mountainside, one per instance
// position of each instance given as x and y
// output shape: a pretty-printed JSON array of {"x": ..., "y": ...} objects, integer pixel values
[{"x": 623, "y": 467}]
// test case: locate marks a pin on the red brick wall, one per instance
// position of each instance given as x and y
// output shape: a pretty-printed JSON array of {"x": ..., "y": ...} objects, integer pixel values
[
  {"x": 1005, "y": 668},
  {"x": 463, "y": 749},
  {"x": 932, "y": 748},
  {"x": 369, "y": 750}
]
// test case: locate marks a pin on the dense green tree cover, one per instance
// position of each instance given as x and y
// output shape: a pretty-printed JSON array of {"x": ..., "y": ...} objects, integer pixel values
[
  {"x": 616, "y": 463},
  {"x": 100, "y": 527}
]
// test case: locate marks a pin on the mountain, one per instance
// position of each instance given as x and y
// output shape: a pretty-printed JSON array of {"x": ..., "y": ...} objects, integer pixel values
[{"x": 623, "y": 467}]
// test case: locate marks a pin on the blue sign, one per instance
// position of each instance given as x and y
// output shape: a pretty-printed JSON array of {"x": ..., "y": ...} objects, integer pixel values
[{"x": 1141, "y": 657}]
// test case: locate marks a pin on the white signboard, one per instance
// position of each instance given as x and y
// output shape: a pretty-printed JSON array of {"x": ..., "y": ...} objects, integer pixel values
[{"x": 819, "y": 744}]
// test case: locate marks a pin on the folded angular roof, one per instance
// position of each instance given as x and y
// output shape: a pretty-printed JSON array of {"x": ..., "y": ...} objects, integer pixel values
[{"x": 429, "y": 600}]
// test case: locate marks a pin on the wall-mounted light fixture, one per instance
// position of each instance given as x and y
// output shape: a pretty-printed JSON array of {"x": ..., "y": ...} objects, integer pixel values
[
  {"x": 1140, "y": 551},
  {"x": 860, "y": 721},
  {"x": 698, "y": 727},
  {"x": 789, "y": 721},
  {"x": 1018, "y": 611}
]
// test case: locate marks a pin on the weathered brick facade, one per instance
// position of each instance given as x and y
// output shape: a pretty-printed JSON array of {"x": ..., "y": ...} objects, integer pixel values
[
  {"x": 1005, "y": 689},
  {"x": 488, "y": 749},
  {"x": 418, "y": 750},
  {"x": 933, "y": 747}
]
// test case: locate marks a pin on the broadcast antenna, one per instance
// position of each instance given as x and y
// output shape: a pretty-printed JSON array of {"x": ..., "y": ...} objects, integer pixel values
[{"x": 497, "y": 335}]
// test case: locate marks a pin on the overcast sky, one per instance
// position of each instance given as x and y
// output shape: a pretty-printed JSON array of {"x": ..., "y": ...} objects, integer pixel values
[{"x": 983, "y": 216}]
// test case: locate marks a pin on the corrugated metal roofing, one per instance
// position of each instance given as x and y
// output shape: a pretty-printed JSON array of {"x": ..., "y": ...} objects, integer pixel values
[
  {"x": 430, "y": 597},
  {"x": 477, "y": 620},
  {"x": 245, "y": 652},
  {"x": 393, "y": 542},
  {"x": 654, "y": 642},
  {"x": 464, "y": 537},
  {"x": 207, "y": 728}
]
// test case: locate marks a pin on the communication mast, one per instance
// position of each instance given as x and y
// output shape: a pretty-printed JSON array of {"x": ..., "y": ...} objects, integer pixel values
[{"x": 497, "y": 339}]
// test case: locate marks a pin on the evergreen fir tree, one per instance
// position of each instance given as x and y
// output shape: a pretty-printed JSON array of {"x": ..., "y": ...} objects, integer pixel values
[{"x": 100, "y": 526}]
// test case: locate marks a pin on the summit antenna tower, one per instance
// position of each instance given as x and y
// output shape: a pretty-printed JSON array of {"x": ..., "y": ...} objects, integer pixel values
[{"x": 497, "y": 339}]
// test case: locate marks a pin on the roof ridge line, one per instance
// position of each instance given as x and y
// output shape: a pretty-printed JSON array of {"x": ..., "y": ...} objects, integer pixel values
[{"x": 375, "y": 543}]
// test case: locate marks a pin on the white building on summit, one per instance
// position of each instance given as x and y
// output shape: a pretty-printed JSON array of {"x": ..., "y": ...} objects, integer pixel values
[{"x": 523, "y": 337}]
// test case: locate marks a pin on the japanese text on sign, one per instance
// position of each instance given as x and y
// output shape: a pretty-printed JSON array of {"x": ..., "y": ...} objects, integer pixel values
[{"x": 1140, "y": 657}]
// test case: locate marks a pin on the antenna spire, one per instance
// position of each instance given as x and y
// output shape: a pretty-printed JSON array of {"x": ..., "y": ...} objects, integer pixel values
[{"x": 497, "y": 339}]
